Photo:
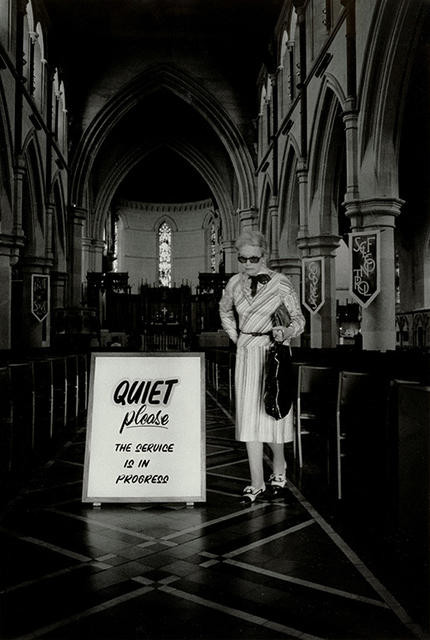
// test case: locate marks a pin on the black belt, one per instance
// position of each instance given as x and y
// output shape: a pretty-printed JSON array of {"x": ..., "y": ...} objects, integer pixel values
[{"x": 255, "y": 333}]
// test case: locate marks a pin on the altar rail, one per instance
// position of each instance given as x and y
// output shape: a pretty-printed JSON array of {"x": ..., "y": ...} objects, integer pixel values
[{"x": 42, "y": 400}]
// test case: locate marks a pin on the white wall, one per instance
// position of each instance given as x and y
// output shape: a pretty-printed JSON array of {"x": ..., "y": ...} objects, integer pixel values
[{"x": 138, "y": 246}]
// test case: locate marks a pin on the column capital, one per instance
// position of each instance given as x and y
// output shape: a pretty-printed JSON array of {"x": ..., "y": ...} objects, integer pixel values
[
  {"x": 373, "y": 212},
  {"x": 93, "y": 242},
  {"x": 36, "y": 264},
  {"x": 59, "y": 276},
  {"x": 247, "y": 216},
  {"x": 78, "y": 213},
  {"x": 273, "y": 203},
  {"x": 10, "y": 246},
  {"x": 350, "y": 113},
  {"x": 302, "y": 168},
  {"x": 289, "y": 266},
  {"x": 313, "y": 246},
  {"x": 228, "y": 244}
]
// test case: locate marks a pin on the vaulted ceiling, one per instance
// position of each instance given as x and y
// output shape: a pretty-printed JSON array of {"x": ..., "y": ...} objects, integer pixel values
[{"x": 104, "y": 46}]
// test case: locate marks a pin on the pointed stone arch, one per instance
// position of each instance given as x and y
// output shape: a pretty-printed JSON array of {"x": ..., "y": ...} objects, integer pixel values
[
  {"x": 263, "y": 219},
  {"x": 34, "y": 214},
  {"x": 289, "y": 213},
  {"x": 58, "y": 224},
  {"x": 327, "y": 141},
  {"x": 383, "y": 90},
  {"x": 192, "y": 155},
  {"x": 6, "y": 165},
  {"x": 187, "y": 89}
]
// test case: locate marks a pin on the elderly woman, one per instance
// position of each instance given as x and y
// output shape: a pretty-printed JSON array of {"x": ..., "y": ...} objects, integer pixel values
[{"x": 255, "y": 294}]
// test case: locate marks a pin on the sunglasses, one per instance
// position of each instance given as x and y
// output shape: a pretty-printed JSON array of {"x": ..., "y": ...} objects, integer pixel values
[{"x": 252, "y": 259}]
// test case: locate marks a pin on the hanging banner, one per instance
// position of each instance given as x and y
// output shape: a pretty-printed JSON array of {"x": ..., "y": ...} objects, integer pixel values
[
  {"x": 145, "y": 428},
  {"x": 39, "y": 296},
  {"x": 313, "y": 290},
  {"x": 364, "y": 251}
]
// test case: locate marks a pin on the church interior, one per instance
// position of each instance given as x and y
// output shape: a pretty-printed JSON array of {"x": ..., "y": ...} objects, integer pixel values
[{"x": 138, "y": 140}]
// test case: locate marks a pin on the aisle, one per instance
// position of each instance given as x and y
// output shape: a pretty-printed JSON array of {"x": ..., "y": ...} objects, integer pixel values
[{"x": 170, "y": 572}]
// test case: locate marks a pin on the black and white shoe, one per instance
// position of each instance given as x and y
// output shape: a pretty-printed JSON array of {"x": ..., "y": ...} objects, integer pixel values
[
  {"x": 276, "y": 486},
  {"x": 250, "y": 494}
]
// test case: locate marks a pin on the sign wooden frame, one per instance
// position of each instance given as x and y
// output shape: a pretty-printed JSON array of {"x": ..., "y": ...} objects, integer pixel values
[{"x": 145, "y": 438}]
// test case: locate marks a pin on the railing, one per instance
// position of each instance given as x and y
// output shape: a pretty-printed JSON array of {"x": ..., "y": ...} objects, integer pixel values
[
  {"x": 413, "y": 329},
  {"x": 43, "y": 399}
]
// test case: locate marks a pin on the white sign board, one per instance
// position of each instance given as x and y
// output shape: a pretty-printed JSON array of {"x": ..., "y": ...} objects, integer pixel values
[{"x": 145, "y": 428}]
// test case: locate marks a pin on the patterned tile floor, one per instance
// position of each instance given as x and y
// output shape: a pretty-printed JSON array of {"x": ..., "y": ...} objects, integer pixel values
[{"x": 215, "y": 571}]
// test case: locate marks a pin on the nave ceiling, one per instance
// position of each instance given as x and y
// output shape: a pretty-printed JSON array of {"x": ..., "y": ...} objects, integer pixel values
[{"x": 149, "y": 58}]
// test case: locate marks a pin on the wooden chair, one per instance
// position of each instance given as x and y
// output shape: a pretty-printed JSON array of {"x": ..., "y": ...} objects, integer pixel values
[
  {"x": 6, "y": 423},
  {"x": 360, "y": 431},
  {"x": 315, "y": 405},
  {"x": 409, "y": 449}
]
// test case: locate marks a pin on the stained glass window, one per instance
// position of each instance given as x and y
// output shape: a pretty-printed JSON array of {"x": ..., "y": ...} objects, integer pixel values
[{"x": 165, "y": 255}]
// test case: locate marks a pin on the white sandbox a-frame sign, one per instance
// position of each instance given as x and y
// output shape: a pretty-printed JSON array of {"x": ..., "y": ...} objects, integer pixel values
[{"x": 145, "y": 428}]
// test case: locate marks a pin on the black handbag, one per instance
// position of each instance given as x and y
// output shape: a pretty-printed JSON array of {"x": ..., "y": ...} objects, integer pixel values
[{"x": 279, "y": 385}]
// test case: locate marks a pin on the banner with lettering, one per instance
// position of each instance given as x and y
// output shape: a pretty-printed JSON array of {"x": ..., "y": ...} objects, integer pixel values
[
  {"x": 39, "y": 296},
  {"x": 364, "y": 251},
  {"x": 313, "y": 290},
  {"x": 145, "y": 428}
]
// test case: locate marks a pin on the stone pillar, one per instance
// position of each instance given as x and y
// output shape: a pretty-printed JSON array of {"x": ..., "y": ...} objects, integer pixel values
[
  {"x": 58, "y": 289},
  {"x": 76, "y": 276},
  {"x": 350, "y": 119},
  {"x": 230, "y": 259},
  {"x": 292, "y": 267},
  {"x": 302, "y": 178},
  {"x": 378, "y": 319},
  {"x": 247, "y": 218},
  {"x": 5, "y": 298},
  {"x": 323, "y": 323},
  {"x": 92, "y": 255},
  {"x": 50, "y": 211},
  {"x": 20, "y": 170},
  {"x": 9, "y": 248},
  {"x": 274, "y": 225}
]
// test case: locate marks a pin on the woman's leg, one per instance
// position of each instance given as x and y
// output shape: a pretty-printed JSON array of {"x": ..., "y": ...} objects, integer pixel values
[
  {"x": 255, "y": 459},
  {"x": 279, "y": 463}
]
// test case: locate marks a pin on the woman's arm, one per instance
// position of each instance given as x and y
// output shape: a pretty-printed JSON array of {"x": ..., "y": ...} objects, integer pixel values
[
  {"x": 228, "y": 320},
  {"x": 291, "y": 301}
]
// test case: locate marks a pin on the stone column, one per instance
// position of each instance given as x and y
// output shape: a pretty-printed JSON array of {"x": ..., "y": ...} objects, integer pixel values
[
  {"x": 92, "y": 255},
  {"x": 230, "y": 260},
  {"x": 274, "y": 216},
  {"x": 247, "y": 218},
  {"x": 350, "y": 119},
  {"x": 58, "y": 289},
  {"x": 58, "y": 297},
  {"x": 292, "y": 267},
  {"x": 77, "y": 223},
  {"x": 20, "y": 170},
  {"x": 323, "y": 323},
  {"x": 50, "y": 211},
  {"x": 302, "y": 178},
  {"x": 9, "y": 248},
  {"x": 378, "y": 319}
]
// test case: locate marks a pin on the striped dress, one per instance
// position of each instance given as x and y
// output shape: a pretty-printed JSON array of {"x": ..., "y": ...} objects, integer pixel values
[{"x": 254, "y": 313}]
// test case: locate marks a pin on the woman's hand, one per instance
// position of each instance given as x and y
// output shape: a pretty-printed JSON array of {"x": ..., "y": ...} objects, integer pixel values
[{"x": 281, "y": 333}]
